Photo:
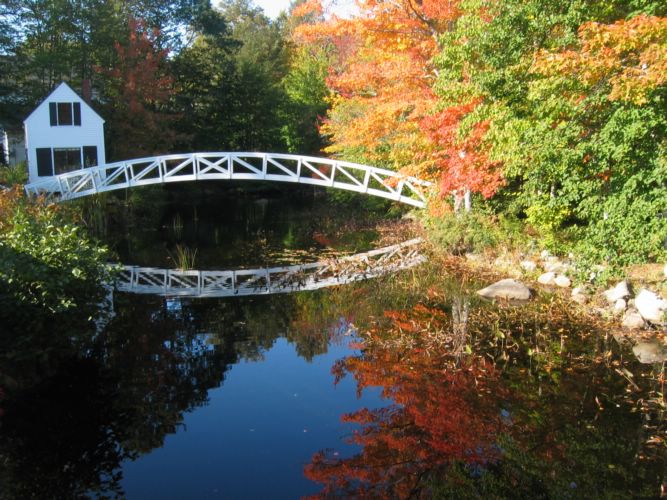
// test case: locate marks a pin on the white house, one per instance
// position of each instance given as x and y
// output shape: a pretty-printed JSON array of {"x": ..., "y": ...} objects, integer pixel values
[{"x": 62, "y": 134}]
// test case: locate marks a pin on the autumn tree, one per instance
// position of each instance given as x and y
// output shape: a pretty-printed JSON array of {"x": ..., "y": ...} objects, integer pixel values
[
  {"x": 547, "y": 108},
  {"x": 589, "y": 146},
  {"x": 381, "y": 78},
  {"x": 139, "y": 94}
]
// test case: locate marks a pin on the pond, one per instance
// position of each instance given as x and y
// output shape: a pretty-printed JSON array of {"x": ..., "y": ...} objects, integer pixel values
[{"x": 403, "y": 385}]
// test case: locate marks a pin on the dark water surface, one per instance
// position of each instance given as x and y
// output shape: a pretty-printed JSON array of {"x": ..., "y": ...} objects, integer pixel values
[{"x": 404, "y": 386}]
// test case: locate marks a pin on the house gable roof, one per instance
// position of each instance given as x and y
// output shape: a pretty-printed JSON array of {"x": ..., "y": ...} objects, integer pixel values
[{"x": 63, "y": 93}]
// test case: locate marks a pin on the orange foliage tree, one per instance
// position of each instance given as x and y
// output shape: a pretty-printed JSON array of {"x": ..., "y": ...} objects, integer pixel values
[
  {"x": 463, "y": 162},
  {"x": 629, "y": 55},
  {"x": 382, "y": 79}
]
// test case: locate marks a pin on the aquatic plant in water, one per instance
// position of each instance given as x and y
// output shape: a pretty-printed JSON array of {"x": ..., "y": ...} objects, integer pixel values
[{"x": 184, "y": 258}]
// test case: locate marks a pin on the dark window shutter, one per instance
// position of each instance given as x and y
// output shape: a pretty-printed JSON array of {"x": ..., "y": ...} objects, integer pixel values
[
  {"x": 53, "y": 114},
  {"x": 77, "y": 113},
  {"x": 89, "y": 156},
  {"x": 44, "y": 162}
]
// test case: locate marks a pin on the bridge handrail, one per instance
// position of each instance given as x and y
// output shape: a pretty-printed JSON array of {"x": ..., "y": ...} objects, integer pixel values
[
  {"x": 235, "y": 166},
  {"x": 265, "y": 281}
]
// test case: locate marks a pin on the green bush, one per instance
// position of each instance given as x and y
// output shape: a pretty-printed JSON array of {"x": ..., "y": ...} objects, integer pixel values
[
  {"x": 474, "y": 232},
  {"x": 14, "y": 175},
  {"x": 47, "y": 265}
]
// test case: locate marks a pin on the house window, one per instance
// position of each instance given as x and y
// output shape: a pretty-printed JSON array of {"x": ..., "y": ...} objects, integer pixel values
[
  {"x": 66, "y": 159},
  {"x": 89, "y": 156},
  {"x": 65, "y": 113},
  {"x": 44, "y": 162},
  {"x": 60, "y": 160}
]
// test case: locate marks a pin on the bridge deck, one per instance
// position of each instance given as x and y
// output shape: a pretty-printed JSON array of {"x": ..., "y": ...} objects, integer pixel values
[{"x": 235, "y": 166}]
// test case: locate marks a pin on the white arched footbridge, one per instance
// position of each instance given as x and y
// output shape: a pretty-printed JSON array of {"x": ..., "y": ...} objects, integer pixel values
[
  {"x": 266, "y": 281},
  {"x": 234, "y": 166}
]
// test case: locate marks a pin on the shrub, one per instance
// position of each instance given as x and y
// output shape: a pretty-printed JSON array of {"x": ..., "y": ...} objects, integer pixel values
[
  {"x": 47, "y": 265},
  {"x": 14, "y": 175}
]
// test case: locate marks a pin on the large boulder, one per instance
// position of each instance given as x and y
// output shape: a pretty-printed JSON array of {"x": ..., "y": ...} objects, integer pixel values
[
  {"x": 507, "y": 289},
  {"x": 632, "y": 320},
  {"x": 547, "y": 279},
  {"x": 650, "y": 352},
  {"x": 563, "y": 281},
  {"x": 620, "y": 306},
  {"x": 620, "y": 291},
  {"x": 651, "y": 306}
]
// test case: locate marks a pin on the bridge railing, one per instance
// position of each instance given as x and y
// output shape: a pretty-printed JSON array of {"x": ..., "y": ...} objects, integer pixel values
[
  {"x": 265, "y": 281},
  {"x": 235, "y": 166}
]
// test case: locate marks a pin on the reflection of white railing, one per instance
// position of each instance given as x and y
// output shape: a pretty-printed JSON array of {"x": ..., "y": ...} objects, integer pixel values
[
  {"x": 235, "y": 166},
  {"x": 172, "y": 282}
]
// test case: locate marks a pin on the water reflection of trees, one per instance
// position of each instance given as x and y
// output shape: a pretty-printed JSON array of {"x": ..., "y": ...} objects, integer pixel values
[
  {"x": 83, "y": 401},
  {"x": 78, "y": 401},
  {"x": 537, "y": 404}
]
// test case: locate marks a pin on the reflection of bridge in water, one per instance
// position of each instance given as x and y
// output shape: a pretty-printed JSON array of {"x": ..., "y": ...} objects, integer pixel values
[
  {"x": 265, "y": 281},
  {"x": 235, "y": 166}
]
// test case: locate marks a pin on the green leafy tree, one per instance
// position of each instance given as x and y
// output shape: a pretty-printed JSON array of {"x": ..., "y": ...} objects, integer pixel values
[{"x": 583, "y": 164}]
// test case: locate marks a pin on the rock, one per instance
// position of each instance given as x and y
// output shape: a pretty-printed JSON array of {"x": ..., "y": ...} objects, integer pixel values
[
  {"x": 547, "y": 279},
  {"x": 580, "y": 298},
  {"x": 563, "y": 281},
  {"x": 651, "y": 306},
  {"x": 620, "y": 306},
  {"x": 581, "y": 290},
  {"x": 473, "y": 257},
  {"x": 545, "y": 254},
  {"x": 620, "y": 291},
  {"x": 528, "y": 266},
  {"x": 650, "y": 352},
  {"x": 632, "y": 320},
  {"x": 506, "y": 289},
  {"x": 554, "y": 267}
]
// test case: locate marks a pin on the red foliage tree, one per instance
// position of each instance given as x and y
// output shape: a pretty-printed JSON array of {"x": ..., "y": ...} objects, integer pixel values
[
  {"x": 462, "y": 162},
  {"x": 139, "y": 92}
]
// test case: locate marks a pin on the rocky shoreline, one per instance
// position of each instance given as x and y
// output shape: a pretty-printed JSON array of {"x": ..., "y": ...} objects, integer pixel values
[{"x": 635, "y": 306}]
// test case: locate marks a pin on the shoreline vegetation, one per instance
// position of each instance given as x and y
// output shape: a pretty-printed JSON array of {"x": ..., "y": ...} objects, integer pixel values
[{"x": 542, "y": 126}]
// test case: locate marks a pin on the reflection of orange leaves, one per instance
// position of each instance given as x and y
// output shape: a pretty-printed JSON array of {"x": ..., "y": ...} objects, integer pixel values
[
  {"x": 437, "y": 417},
  {"x": 399, "y": 320},
  {"x": 419, "y": 318}
]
